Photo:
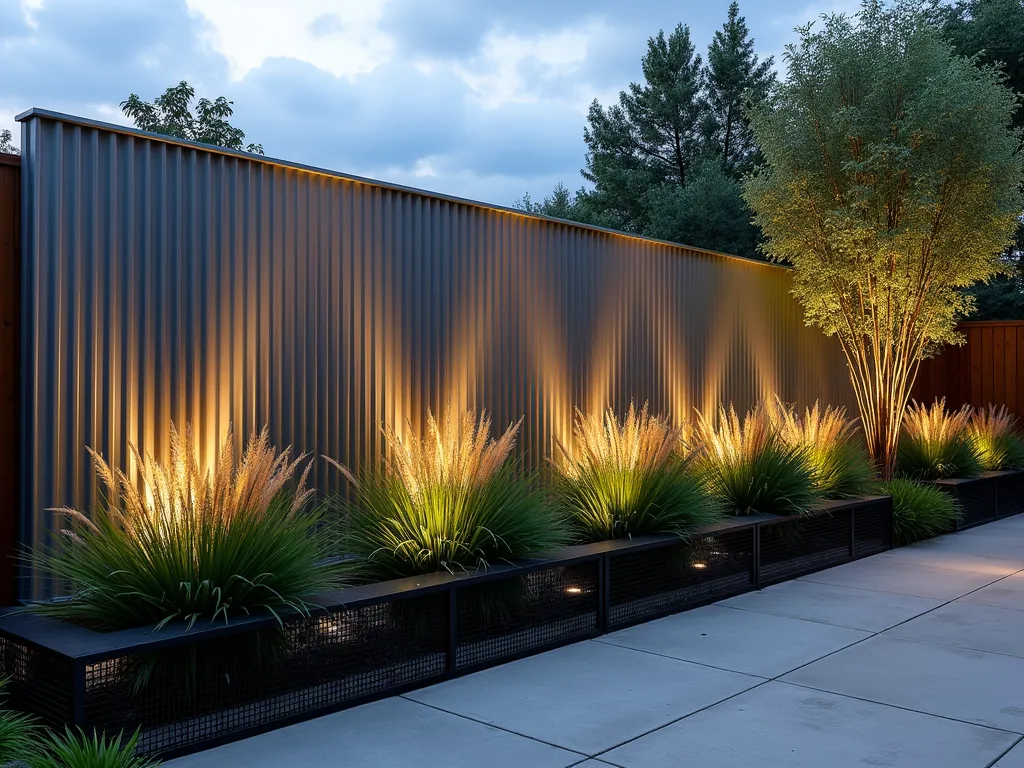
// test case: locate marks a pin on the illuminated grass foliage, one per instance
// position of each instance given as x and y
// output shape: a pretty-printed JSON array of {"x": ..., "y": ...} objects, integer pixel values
[
  {"x": 18, "y": 734},
  {"x": 993, "y": 431},
  {"x": 628, "y": 478},
  {"x": 449, "y": 502},
  {"x": 918, "y": 511},
  {"x": 936, "y": 444},
  {"x": 749, "y": 467},
  {"x": 189, "y": 545},
  {"x": 840, "y": 467},
  {"x": 80, "y": 750}
]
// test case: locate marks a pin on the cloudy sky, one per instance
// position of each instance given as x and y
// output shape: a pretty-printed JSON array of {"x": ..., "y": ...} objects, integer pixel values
[{"x": 484, "y": 99}]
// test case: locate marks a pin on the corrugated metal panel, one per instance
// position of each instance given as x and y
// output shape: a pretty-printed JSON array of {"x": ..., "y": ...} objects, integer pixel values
[
  {"x": 10, "y": 383},
  {"x": 166, "y": 281}
]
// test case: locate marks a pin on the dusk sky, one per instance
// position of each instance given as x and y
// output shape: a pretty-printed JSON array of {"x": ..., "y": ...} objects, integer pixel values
[{"x": 484, "y": 99}]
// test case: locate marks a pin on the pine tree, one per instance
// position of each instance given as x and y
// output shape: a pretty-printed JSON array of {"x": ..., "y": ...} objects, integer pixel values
[
  {"x": 652, "y": 136},
  {"x": 735, "y": 76}
]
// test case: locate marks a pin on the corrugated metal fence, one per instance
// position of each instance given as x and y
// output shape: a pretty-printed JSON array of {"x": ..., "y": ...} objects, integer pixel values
[
  {"x": 167, "y": 281},
  {"x": 10, "y": 351},
  {"x": 989, "y": 368}
]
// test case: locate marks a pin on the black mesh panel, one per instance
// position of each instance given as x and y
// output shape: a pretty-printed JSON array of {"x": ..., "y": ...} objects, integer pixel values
[
  {"x": 509, "y": 617},
  {"x": 803, "y": 545},
  {"x": 660, "y": 581},
  {"x": 181, "y": 697}
]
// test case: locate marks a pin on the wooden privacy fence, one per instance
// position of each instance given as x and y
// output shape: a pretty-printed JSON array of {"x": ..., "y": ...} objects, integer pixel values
[
  {"x": 989, "y": 368},
  {"x": 10, "y": 381}
]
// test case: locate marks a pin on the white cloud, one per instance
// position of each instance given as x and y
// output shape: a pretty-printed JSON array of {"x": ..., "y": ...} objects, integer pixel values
[
  {"x": 338, "y": 37},
  {"x": 496, "y": 75}
]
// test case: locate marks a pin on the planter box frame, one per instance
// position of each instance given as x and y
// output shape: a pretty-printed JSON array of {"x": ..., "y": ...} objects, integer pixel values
[
  {"x": 986, "y": 498},
  {"x": 378, "y": 640}
]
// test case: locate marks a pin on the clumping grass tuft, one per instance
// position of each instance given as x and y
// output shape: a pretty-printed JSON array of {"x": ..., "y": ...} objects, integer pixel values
[
  {"x": 750, "y": 468},
  {"x": 838, "y": 456},
  {"x": 936, "y": 444},
  {"x": 628, "y": 478},
  {"x": 79, "y": 750},
  {"x": 918, "y": 511},
  {"x": 996, "y": 439},
  {"x": 185, "y": 544},
  {"x": 17, "y": 736},
  {"x": 449, "y": 502}
]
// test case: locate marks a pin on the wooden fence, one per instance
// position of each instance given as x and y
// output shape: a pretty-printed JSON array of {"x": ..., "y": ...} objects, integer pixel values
[
  {"x": 989, "y": 368},
  {"x": 10, "y": 379}
]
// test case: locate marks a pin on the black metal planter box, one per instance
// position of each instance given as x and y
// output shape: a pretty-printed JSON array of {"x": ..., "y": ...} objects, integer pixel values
[
  {"x": 986, "y": 498},
  {"x": 191, "y": 690}
]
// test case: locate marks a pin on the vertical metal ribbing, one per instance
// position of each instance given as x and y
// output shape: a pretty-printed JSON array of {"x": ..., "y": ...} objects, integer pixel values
[{"x": 170, "y": 282}]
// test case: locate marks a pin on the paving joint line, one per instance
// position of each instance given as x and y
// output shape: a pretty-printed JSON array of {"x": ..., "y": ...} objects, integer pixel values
[
  {"x": 435, "y": 707},
  {"x": 1008, "y": 750}
]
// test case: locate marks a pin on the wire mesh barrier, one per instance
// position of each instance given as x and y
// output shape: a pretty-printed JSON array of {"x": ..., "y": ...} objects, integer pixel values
[
  {"x": 1009, "y": 493},
  {"x": 190, "y": 690},
  {"x": 976, "y": 497},
  {"x": 678, "y": 575}
]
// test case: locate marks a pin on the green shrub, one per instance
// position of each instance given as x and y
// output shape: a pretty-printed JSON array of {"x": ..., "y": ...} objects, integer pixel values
[
  {"x": 450, "y": 502},
  {"x": 18, "y": 734},
  {"x": 935, "y": 444},
  {"x": 996, "y": 438},
  {"x": 840, "y": 467},
  {"x": 189, "y": 545},
  {"x": 918, "y": 511},
  {"x": 748, "y": 466},
  {"x": 628, "y": 478},
  {"x": 79, "y": 750}
]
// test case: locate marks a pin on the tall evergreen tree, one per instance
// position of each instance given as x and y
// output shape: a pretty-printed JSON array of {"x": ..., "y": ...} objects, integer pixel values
[
  {"x": 993, "y": 31},
  {"x": 652, "y": 136},
  {"x": 734, "y": 76}
]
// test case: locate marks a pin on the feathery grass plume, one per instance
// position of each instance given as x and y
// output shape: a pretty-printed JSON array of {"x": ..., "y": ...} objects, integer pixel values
[
  {"x": 996, "y": 438},
  {"x": 448, "y": 502},
  {"x": 838, "y": 455},
  {"x": 189, "y": 544},
  {"x": 80, "y": 750},
  {"x": 17, "y": 736},
  {"x": 749, "y": 467},
  {"x": 919, "y": 511},
  {"x": 935, "y": 443},
  {"x": 628, "y": 478}
]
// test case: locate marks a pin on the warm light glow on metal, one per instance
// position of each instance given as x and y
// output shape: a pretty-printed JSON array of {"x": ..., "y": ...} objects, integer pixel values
[{"x": 573, "y": 591}]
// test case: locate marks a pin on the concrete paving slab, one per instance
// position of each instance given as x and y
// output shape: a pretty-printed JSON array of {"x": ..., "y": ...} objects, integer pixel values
[
  {"x": 1009, "y": 523},
  {"x": 1006, "y": 593},
  {"x": 587, "y": 697},
  {"x": 969, "y": 625},
  {"x": 975, "y": 541},
  {"x": 394, "y": 733},
  {"x": 742, "y": 641},
  {"x": 1012, "y": 759},
  {"x": 785, "y": 725},
  {"x": 957, "y": 555},
  {"x": 887, "y": 575},
  {"x": 972, "y": 686},
  {"x": 841, "y": 606}
]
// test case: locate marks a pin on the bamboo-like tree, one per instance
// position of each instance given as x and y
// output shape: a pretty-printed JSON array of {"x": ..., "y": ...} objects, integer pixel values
[{"x": 890, "y": 182}]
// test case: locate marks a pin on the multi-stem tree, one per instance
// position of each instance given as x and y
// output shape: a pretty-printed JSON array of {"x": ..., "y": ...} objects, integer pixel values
[{"x": 891, "y": 182}]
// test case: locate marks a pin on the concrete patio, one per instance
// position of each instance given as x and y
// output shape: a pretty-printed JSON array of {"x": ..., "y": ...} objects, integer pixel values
[{"x": 910, "y": 658}]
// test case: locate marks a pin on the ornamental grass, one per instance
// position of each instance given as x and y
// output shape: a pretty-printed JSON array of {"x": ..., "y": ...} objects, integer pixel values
[
  {"x": 450, "y": 501},
  {"x": 995, "y": 436},
  {"x": 935, "y": 443},
  {"x": 840, "y": 467},
  {"x": 749, "y": 467},
  {"x": 627, "y": 478},
  {"x": 189, "y": 544}
]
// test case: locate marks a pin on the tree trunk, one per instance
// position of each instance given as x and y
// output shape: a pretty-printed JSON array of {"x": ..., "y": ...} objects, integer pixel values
[{"x": 882, "y": 390}]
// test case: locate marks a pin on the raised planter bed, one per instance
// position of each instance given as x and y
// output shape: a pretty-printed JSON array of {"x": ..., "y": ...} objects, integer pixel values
[
  {"x": 986, "y": 498},
  {"x": 1009, "y": 493},
  {"x": 191, "y": 690}
]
